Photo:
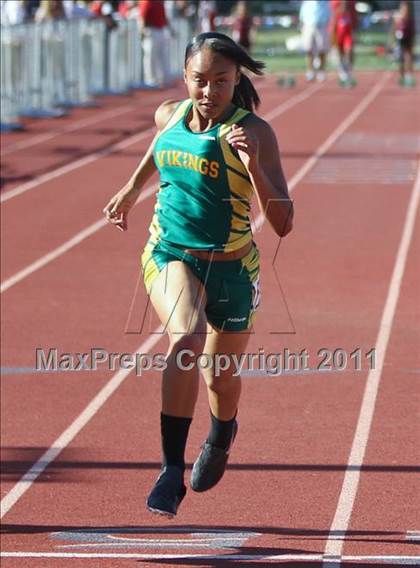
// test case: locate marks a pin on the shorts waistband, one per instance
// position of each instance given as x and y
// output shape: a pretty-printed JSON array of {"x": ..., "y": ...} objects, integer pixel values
[{"x": 220, "y": 256}]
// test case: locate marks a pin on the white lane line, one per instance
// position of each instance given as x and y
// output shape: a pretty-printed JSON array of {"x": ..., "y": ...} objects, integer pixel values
[
  {"x": 412, "y": 535},
  {"x": 88, "y": 231},
  {"x": 391, "y": 559},
  {"x": 289, "y": 103},
  {"x": 62, "y": 249},
  {"x": 385, "y": 559},
  {"x": 248, "y": 557},
  {"x": 81, "y": 236},
  {"x": 75, "y": 427},
  {"x": 373, "y": 93},
  {"x": 352, "y": 475},
  {"x": 325, "y": 146},
  {"x": 78, "y": 125},
  {"x": 76, "y": 164},
  {"x": 27, "y": 479}
]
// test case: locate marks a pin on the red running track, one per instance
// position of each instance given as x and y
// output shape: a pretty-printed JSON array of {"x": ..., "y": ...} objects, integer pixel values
[{"x": 324, "y": 469}]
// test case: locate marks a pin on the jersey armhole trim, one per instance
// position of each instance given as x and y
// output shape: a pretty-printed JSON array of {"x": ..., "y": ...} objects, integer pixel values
[{"x": 177, "y": 115}]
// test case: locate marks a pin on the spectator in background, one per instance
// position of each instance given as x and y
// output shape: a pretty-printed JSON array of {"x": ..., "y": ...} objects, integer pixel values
[
  {"x": 104, "y": 9},
  {"x": 343, "y": 26},
  {"x": 12, "y": 13},
  {"x": 187, "y": 9},
  {"x": 50, "y": 10},
  {"x": 207, "y": 12},
  {"x": 242, "y": 25},
  {"x": 182, "y": 7},
  {"x": 127, "y": 9},
  {"x": 314, "y": 17},
  {"x": 76, "y": 9},
  {"x": 155, "y": 36},
  {"x": 29, "y": 8},
  {"x": 404, "y": 34},
  {"x": 171, "y": 11}
]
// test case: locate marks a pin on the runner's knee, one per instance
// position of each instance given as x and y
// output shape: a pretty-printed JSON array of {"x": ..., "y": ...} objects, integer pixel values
[
  {"x": 190, "y": 343},
  {"x": 220, "y": 384}
]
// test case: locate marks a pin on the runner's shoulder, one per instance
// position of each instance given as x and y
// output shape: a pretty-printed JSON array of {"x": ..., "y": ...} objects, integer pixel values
[
  {"x": 164, "y": 112},
  {"x": 259, "y": 127}
]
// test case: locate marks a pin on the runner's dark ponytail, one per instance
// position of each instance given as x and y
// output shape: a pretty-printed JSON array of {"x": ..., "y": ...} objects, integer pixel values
[{"x": 245, "y": 94}]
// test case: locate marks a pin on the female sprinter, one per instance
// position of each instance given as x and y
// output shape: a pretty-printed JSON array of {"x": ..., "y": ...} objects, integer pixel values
[{"x": 200, "y": 264}]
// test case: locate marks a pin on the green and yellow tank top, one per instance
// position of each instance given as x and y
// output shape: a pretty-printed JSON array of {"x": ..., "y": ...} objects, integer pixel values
[{"x": 204, "y": 197}]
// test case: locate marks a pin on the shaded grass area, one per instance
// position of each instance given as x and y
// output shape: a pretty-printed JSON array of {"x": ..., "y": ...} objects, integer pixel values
[{"x": 373, "y": 51}]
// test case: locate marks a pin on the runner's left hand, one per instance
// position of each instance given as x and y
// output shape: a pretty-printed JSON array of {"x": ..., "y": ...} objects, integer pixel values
[{"x": 245, "y": 143}]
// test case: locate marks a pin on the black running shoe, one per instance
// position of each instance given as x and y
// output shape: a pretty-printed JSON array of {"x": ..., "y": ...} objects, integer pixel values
[
  {"x": 210, "y": 465},
  {"x": 168, "y": 492}
]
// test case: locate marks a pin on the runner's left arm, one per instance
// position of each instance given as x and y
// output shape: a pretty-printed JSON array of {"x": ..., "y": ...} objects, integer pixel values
[{"x": 257, "y": 148}]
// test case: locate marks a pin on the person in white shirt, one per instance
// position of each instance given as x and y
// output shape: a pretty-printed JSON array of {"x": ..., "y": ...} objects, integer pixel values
[
  {"x": 206, "y": 15},
  {"x": 12, "y": 12},
  {"x": 314, "y": 17}
]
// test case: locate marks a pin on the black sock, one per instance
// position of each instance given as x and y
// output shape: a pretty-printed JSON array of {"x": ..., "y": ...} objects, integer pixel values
[
  {"x": 174, "y": 432},
  {"x": 221, "y": 432}
]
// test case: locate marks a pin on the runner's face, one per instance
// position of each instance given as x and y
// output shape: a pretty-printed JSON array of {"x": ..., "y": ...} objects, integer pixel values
[{"x": 211, "y": 80}]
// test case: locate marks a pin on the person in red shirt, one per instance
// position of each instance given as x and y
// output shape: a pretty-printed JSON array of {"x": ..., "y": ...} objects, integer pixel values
[
  {"x": 404, "y": 34},
  {"x": 127, "y": 9},
  {"x": 242, "y": 25},
  {"x": 343, "y": 26},
  {"x": 155, "y": 39}
]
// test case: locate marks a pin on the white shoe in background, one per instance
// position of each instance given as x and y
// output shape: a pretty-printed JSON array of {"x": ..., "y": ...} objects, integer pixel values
[
  {"x": 321, "y": 76},
  {"x": 343, "y": 76},
  {"x": 310, "y": 75}
]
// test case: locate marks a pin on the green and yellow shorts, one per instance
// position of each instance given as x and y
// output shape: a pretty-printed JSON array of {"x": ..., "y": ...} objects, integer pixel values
[{"x": 232, "y": 287}]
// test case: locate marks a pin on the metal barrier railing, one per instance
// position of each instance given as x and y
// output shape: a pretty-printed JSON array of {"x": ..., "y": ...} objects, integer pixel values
[{"x": 49, "y": 67}]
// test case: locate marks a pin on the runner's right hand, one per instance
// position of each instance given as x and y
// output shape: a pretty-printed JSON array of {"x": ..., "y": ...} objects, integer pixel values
[{"x": 117, "y": 209}]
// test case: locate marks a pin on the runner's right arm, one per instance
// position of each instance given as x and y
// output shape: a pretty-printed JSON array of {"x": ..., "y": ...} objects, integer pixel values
[{"x": 117, "y": 209}]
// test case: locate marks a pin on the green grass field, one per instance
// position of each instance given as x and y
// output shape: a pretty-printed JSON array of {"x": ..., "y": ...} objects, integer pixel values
[{"x": 270, "y": 47}]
